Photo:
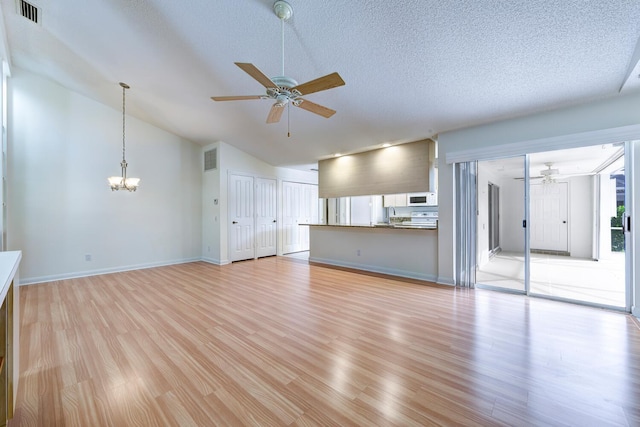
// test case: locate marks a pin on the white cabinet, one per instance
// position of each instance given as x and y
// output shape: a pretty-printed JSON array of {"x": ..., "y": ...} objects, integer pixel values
[{"x": 395, "y": 200}]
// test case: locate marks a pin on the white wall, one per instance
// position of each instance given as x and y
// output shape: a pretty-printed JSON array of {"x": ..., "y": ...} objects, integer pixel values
[
  {"x": 215, "y": 246},
  {"x": 591, "y": 123},
  {"x": 61, "y": 148},
  {"x": 581, "y": 216},
  {"x": 512, "y": 208},
  {"x": 211, "y": 211},
  {"x": 511, "y": 212}
]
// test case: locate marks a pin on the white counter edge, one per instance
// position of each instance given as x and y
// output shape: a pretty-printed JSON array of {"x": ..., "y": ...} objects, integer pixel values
[{"x": 9, "y": 262}]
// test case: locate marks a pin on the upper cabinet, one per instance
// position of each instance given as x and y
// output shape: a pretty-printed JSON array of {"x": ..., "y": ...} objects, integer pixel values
[
  {"x": 404, "y": 168},
  {"x": 394, "y": 200}
]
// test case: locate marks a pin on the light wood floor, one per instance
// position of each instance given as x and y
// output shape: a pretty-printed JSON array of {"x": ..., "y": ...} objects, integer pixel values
[{"x": 279, "y": 342}]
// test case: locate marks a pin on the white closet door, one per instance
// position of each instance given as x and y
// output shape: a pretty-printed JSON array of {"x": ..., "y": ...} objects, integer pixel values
[
  {"x": 309, "y": 213},
  {"x": 291, "y": 202},
  {"x": 241, "y": 218},
  {"x": 266, "y": 224}
]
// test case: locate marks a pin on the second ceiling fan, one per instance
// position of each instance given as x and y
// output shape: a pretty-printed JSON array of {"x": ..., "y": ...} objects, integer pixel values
[{"x": 283, "y": 89}]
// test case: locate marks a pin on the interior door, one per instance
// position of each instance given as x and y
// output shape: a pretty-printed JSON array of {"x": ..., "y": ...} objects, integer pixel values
[
  {"x": 309, "y": 213},
  {"x": 266, "y": 223},
  {"x": 549, "y": 217},
  {"x": 241, "y": 218},
  {"x": 291, "y": 202}
]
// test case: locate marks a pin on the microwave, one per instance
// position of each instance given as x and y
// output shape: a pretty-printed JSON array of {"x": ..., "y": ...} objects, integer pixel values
[{"x": 422, "y": 199}]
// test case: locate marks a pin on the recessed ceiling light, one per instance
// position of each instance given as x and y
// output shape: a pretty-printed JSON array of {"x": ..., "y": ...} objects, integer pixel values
[
  {"x": 337, "y": 155},
  {"x": 386, "y": 144}
]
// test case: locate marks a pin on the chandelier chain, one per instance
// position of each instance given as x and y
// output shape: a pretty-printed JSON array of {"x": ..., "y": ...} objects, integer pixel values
[{"x": 123, "y": 122}]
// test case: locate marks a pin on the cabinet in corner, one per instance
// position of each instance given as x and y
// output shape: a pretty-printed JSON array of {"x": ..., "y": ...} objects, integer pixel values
[{"x": 394, "y": 200}]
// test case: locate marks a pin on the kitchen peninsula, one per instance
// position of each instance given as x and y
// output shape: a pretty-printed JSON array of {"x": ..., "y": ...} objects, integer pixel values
[
  {"x": 363, "y": 191},
  {"x": 400, "y": 251}
]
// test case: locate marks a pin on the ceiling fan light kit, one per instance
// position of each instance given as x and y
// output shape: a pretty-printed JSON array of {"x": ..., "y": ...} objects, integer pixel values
[{"x": 285, "y": 90}]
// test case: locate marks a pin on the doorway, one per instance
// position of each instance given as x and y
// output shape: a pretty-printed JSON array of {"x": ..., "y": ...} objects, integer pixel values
[
  {"x": 577, "y": 253},
  {"x": 494, "y": 218},
  {"x": 500, "y": 236},
  {"x": 560, "y": 227},
  {"x": 549, "y": 215},
  {"x": 299, "y": 206}
]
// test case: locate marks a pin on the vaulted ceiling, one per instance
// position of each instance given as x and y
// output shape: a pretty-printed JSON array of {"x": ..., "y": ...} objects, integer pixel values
[{"x": 412, "y": 68}]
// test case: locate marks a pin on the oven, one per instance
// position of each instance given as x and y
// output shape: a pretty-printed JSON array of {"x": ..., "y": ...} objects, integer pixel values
[{"x": 424, "y": 219}]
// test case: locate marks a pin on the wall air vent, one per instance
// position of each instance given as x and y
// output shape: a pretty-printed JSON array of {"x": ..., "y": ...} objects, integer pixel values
[
  {"x": 29, "y": 11},
  {"x": 211, "y": 160}
]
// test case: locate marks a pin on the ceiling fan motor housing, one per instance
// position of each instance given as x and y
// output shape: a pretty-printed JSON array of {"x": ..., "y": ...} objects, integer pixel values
[{"x": 284, "y": 81}]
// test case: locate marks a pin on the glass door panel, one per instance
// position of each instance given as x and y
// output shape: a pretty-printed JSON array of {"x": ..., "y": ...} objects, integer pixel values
[
  {"x": 500, "y": 237},
  {"x": 577, "y": 207}
]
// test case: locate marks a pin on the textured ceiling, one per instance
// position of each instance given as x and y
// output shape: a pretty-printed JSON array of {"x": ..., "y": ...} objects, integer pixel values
[{"x": 412, "y": 68}]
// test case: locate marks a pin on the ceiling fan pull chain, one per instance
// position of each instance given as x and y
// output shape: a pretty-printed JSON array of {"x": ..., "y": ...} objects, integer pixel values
[{"x": 288, "y": 121}]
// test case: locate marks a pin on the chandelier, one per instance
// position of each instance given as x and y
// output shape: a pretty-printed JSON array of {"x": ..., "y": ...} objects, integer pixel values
[{"x": 122, "y": 182}]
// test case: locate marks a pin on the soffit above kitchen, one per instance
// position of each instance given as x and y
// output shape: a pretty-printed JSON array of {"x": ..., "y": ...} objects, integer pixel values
[{"x": 412, "y": 69}]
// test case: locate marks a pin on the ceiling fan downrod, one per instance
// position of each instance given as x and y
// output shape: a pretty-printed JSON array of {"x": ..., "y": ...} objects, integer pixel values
[{"x": 283, "y": 11}]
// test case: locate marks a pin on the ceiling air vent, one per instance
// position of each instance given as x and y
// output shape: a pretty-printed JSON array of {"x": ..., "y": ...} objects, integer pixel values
[
  {"x": 211, "y": 160},
  {"x": 29, "y": 11}
]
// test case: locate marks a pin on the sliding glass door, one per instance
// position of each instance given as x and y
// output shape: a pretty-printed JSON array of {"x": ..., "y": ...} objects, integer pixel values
[
  {"x": 500, "y": 236},
  {"x": 577, "y": 225},
  {"x": 550, "y": 224}
]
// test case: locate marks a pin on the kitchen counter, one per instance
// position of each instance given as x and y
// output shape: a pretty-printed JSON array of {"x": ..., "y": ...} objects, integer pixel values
[
  {"x": 401, "y": 250},
  {"x": 379, "y": 225}
]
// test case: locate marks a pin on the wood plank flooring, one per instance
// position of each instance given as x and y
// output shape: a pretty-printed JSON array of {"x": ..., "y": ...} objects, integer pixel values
[{"x": 278, "y": 342}]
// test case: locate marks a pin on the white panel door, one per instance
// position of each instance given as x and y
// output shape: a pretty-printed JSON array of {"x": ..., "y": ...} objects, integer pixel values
[
  {"x": 299, "y": 206},
  {"x": 241, "y": 218},
  {"x": 549, "y": 217},
  {"x": 291, "y": 196},
  {"x": 309, "y": 213},
  {"x": 266, "y": 224}
]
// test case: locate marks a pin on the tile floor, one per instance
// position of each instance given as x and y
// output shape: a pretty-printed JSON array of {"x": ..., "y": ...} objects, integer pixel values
[{"x": 598, "y": 282}]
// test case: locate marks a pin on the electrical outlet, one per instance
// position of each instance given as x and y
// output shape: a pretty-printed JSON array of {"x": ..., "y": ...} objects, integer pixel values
[
  {"x": 358, "y": 252},
  {"x": 87, "y": 257}
]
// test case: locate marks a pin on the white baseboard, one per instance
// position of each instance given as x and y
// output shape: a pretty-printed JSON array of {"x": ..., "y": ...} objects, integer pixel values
[
  {"x": 74, "y": 275},
  {"x": 215, "y": 261},
  {"x": 376, "y": 269},
  {"x": 446, "y": 281}
]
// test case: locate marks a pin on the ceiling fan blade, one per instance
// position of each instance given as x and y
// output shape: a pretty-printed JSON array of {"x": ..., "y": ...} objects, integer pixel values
[
  {"x": 322, "y": 83},
  {"x": 275, "y": 113},
  {"x": 316, "y": 108},
  {"x": 235, "y": 98},
  {"x": 253, "y": 71}
]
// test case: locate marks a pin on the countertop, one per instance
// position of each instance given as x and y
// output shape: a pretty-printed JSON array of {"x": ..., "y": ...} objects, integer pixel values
[
  {"x": 9, "y": 262},
  {"x": 380, "y": 225}
]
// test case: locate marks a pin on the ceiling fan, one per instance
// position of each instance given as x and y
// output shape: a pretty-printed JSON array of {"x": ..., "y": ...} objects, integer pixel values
[
  {"x": 283, "y": 89},
  {"x": 549, "y": 175}
]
